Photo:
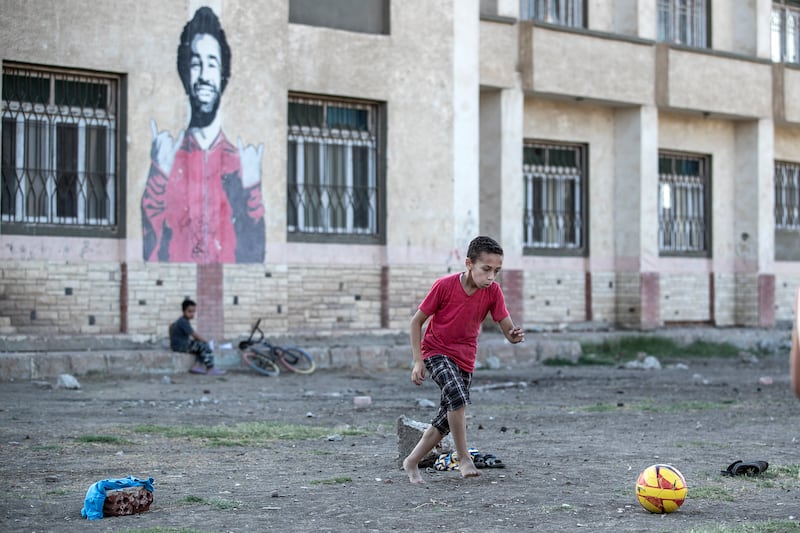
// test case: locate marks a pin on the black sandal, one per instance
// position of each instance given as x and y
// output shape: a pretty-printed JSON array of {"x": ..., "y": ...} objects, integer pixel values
[
  {"x": 492, "y": 462},
  {"x": 739, "y": 468}
]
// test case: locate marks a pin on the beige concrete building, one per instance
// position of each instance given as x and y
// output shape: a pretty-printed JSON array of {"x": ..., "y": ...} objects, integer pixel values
[{"x": 319, "y": 164}]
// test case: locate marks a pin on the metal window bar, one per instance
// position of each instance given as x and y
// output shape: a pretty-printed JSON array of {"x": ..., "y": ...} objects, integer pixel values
[
  {"x": 553, "y": 215},
  {"x": 682, "y": 220},
  {"x": 683, "y": 22},
  {"x": 58, "y": 148},
  {"x": 561, "y": 12},
  {"x": 786, "y": 33},
  {"x": 332, "y": 169},
  {"x": 787, "y": 196}
]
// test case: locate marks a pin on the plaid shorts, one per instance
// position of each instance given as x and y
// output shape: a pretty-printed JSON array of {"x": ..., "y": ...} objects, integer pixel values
[{"x": 454, "y": 383}]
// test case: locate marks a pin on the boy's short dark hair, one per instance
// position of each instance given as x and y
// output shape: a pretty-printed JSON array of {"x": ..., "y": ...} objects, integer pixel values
[
  {"x": 188, "y": 303},
  {"x": 481, "y": 245}
]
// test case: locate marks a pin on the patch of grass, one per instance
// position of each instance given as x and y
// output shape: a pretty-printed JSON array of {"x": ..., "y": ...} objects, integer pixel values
[
  {"x": 784, "y": 476},
  {"x": 247, "y": 433},
  {"x": 679, "y": 407},
  {"x": 711, "y": 493},
  {"x": 47, "y": 448},
  {"x": 787, "y": 470},
  {"x": 333, "y": 481},
  {"x": 773, "y": 526},
  {"x": 699, "y": 444},
  {"x": 103, "y": 439},
  {"x": 217, "y": 503},
  {"x": 617, "y": 350},
  {"x": 556, "y": 508},
  {"x": 557, "y": 361},
  {"x": 661, "y": 407},
  {"x": 599, "y": 408}
]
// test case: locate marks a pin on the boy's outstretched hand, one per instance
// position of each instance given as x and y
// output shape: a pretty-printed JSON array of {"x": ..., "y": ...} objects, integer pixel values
[
  {"x": 516, "y": 335},
  {"x": 418, "y": 373}
]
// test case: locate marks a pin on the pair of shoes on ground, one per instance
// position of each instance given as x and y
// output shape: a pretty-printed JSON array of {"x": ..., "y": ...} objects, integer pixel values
[
  {"x": 201, "y": 369},
  {"x": 449, "y": 461},
  {"x": 739, "y": 468},
  {"x": 487, "y": 460}
]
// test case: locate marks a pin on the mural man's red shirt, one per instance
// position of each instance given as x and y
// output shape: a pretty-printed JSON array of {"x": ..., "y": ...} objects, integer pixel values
[{"x": 190, "y": 213}]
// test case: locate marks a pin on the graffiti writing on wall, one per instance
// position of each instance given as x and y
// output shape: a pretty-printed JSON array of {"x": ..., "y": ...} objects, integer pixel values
[{"x": 202, "y": 202}]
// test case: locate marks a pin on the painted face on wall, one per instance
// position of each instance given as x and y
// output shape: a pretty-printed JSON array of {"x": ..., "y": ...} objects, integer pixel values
[{"x": 205, "y": 79}]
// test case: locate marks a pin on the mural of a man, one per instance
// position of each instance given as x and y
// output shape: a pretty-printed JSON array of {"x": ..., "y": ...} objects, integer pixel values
[{"x": 202, "y": 202}]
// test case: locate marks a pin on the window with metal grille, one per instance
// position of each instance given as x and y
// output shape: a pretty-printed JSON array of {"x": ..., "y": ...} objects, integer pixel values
[
  {"x": 561, "y": 12},
  {"x": 786, "y": 31},
  {"x": 554, "y": 188},
  {"x": 59, "y": 146},
  {"x": 683, "y": 200},
  {"x": 787, "y": 195},
  {"x": 683, "y": 22},
  {"x": 333, "y": 168}
]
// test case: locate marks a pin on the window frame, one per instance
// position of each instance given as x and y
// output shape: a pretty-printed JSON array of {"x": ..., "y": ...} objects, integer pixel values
[
  {"x": 580, "y": 206},
  {"x": 792, "y": 195},
  {"x": 673, "y": 31},
  {"x": 706, "y": 178},
  {"x": 377, "y": 116},
  {"x": 781, "y": 12},
  {"x": 52, "y": 117},
  {"x": 575, "y": 12}
]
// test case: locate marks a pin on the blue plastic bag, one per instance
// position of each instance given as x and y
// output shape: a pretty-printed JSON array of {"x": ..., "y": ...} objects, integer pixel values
[{"x": 96, "y": 495}]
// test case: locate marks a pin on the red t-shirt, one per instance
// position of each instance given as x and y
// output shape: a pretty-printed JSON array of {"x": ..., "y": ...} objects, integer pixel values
[{"x": 456, "y": 319}]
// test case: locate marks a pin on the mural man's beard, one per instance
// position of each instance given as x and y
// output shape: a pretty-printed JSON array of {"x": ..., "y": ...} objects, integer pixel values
[{"x": 203, "y": 111}]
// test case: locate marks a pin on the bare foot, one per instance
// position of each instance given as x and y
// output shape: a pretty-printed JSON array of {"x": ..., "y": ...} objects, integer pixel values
[
  {"x": 412, "y": 469},
  {"x": 468, "y": 470}
]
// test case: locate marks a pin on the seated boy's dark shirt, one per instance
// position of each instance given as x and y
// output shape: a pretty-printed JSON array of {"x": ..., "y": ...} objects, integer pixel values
[{"x": 179, "y": 333}]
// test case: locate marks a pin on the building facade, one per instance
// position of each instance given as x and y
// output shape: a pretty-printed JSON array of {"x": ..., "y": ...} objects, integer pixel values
[{"x": 319, "y": 164}]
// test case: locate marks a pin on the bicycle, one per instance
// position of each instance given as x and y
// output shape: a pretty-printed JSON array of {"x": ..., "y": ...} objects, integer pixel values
[{"x": 265, "y": 358}]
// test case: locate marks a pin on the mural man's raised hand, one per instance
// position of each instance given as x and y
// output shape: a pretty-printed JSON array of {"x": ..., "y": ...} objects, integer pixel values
[
  {"x": 164, "y": 148},
  {"x": 250, "y": 157}
]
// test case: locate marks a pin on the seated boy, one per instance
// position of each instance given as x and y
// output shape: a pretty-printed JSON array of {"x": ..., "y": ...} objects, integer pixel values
[{"x": 183, "y": 338}]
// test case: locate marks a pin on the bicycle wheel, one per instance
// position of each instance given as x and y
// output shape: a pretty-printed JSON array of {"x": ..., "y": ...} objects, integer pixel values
[
  {"x": 260, "y": 362},
  {"x": 296, "y": 359}
]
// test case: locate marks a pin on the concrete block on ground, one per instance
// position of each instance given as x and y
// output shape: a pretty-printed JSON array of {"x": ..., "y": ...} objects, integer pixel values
[
  {"x": 374, "y": 357},
  {"x": 83, "y": 363},
  {"x": 182, "y": 362},
  {"x": 124, "y": 363},
  {"x": 345, "y": 357},
  {"x": 399, "y": 357},
  {"x": 322, "y": 356},
  {"x": 15, "y": 366},
  {"x": 408, "y": 434},
  {"x": 48, "y": 365},
  {"x": 568, "y": 350}
]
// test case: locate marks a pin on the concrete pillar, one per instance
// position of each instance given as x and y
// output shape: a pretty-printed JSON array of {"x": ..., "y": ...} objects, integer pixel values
[
  {"x": 635, "y": 216},
  {"x": 466, "y": 121},
  {"x": 501, "y": 204},
  {"x": 754, "y": 222},
  {"x": 210, "y": 304}
]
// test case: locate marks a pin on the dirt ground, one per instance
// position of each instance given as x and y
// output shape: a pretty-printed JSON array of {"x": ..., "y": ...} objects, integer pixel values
[{"x": 573, "y": 440}]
